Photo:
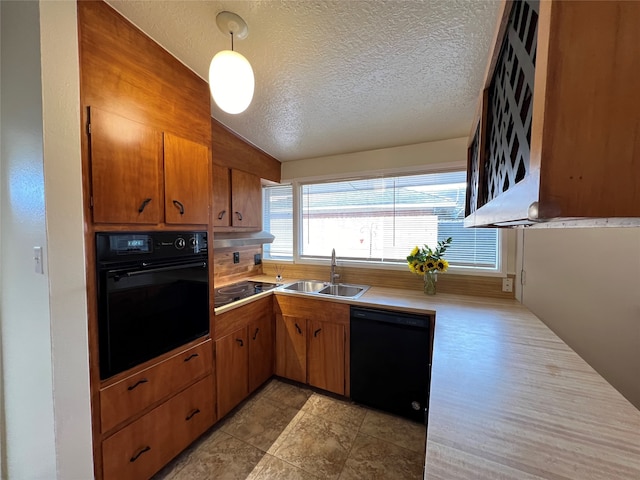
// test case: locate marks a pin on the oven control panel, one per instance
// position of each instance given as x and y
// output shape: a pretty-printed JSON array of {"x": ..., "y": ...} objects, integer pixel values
[{"x": 113, "y": 246}]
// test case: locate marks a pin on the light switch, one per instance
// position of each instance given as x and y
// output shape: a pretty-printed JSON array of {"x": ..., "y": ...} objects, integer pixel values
[{"x": 37, "y": 258}]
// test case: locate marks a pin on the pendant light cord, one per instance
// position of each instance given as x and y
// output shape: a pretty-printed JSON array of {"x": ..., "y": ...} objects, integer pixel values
[{"x": 231, "y": 41}]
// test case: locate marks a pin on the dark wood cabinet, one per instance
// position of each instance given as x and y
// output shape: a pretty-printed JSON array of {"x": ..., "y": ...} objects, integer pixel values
[
  {"x": 237, "y": 198},
  {"x": 312, "y": 339},
  {"x": 326, "y": 356},
  {"x": 291, "y": 347},
  {"x": 143, "y": 447},
  {"x": 555, "y": 135},
  {"x": 186, "y": 185},
  {"x": 140, "y": 175},
  {"x": 261, "y": 350},
  {"x": 126, "y": 170},
  {"x": 232, "y": 368},
  {"x": 244, "y": 351}
]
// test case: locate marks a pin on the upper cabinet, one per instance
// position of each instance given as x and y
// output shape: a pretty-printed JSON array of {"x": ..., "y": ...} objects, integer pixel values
[
  {"x": 141, "y": 176},
  {"x": 237, "y": 198},
  {"x": 557, "y": 131}
]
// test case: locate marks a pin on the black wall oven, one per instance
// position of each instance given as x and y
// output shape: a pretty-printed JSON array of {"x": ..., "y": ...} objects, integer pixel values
[{"x": 153, "y": 295}]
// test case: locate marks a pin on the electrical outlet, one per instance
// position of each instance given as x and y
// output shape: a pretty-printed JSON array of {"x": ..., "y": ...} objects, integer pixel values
[
  {"x": 507, "y": 284},
  {"x": 236, "y": 257}
]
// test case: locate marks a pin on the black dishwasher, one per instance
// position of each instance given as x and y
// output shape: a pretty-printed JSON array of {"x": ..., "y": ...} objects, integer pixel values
[{"x": 390, "y": 355}]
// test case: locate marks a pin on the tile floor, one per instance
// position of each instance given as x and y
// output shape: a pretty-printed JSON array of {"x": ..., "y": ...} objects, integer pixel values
[{"x": 287, "y": 432}]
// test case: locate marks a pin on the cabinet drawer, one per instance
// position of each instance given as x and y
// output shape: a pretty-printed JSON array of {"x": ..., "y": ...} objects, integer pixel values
[
  {"x": 139, "y": 450},
  {"x": 133, "y": 394}
]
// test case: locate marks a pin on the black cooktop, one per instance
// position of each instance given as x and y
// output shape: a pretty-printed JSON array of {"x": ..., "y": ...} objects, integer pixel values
[{"x": 238, "y": 291}]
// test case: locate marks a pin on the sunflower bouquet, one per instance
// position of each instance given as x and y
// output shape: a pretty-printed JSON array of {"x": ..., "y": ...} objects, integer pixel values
[{"x": 426, "y": 259}]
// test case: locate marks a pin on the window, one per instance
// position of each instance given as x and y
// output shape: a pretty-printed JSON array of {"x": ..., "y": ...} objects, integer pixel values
[
  {"x": 381, "y": 219},
  {"x": 277, "y": 219}
]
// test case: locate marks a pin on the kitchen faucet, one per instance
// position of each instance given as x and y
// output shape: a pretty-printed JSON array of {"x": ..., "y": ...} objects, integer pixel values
[{"x": 334, "y": 275}]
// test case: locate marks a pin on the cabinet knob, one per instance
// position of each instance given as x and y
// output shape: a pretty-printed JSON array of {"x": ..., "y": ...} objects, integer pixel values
[
  {"x": 180, "y": 206},
  {"x": 315, "y": 334},
  {"x": 255, "y": 335},
  {"x": 222, "y": 214},
  {"x": 144, "y": 203},
  {"x": 298, "y": 329},
  {"x": 239, "y": 340},
  {"x": 239, "y": 215}
]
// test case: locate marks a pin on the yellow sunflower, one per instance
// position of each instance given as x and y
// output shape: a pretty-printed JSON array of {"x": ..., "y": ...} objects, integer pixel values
[
  {"x": 442, "y": 265},
  {"x": 430, "y": 264}
]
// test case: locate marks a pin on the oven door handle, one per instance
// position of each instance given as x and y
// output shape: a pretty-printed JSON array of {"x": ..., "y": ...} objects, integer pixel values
[{"x": 158, "y": 269}]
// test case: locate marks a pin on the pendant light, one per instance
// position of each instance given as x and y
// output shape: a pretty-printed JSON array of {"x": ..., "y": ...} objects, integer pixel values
[{"x": 231, "y": 78}]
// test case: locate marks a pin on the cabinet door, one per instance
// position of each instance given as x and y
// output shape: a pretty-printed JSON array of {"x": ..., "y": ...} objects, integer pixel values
[
  {"x": 186, "y": 181},
  {"x": 126, "y": 166},
  {"x": 291, "y": 347},
  {"x": 326, "y": 356},
  {"x": 246, "y": 199},
  {"x": 232, "y": 363},
  {"x": 260, "y": 350},
  {"x": 221, "y": 196}
]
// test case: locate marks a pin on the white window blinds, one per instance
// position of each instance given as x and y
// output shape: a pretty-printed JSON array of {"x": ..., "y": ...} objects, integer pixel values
[{"x": 381, "y": 219}]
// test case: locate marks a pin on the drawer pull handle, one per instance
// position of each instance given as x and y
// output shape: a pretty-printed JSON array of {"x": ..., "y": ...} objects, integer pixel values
[
  {"x": 192, "y": 414},
  {"x": 221, "y": 214},
  {"x": 315, "y": 334},
  {"x": 239, "y": 340},
  {"x": 255, "y": 335},
  {"x": 298, "y": 329},
  {"x": 239, "y": 215},
  {"x": 138, "y": 383},
  {"x": 144, "y": 203},
  {"x": 180, "y": 206},
  {"x": 193, "y": 355},
  {"x": 135, "y": 457}
]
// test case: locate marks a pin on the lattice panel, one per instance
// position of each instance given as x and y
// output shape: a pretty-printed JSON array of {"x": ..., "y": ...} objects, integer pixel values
[
  {"x": 474, "y": 171},
  {"x": 510, "y": 102}
]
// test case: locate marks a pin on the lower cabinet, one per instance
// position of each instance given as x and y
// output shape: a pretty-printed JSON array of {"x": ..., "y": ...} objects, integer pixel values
[
  {"x": 143, "y": 447},
  {"x": 291, "y": 347},
  {"x": 312, "y": 339},
  {"x": 244, "y": 352}
]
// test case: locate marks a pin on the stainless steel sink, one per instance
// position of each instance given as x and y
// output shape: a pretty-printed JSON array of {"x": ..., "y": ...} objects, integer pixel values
[
  {"x": 343, "y": 290},
  {"x": 316, "y": 287},
  {"x": 306, "y": 286}
]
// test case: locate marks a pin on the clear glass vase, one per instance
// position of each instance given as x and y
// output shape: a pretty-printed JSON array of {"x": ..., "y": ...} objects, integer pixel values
[{"x": 430, "y": 279}]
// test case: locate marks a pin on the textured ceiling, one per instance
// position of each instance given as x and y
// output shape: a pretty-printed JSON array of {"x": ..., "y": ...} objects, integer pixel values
[{"x": 338, "y": 76}]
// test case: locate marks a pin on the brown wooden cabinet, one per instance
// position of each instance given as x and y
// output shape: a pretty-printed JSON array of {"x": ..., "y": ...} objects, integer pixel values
[
  {"x": 124, "y": 399},
  {"x": 244, "y": 351},
  {"x": 142, "y": 448},
  {"x": 291, "y": 347},
  {"x": 232, "y": 368},
  {"x": 261, "y": 350},
  {"x": 555, "y": 136},
  {"x": 326, "y": 356},
  {"x": 312, "y": 339},
  {"x": 140, "y": 175},
  {"x": 237, "y": 198},
  {"x": 186, "y": 184}
]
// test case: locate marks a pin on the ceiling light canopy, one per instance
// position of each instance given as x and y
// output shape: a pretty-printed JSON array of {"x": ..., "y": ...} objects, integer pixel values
[{"x": 231, "y": 79}]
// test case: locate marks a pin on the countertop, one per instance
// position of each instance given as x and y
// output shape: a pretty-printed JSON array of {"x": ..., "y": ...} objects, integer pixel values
[{"x": 510, "y": 400}]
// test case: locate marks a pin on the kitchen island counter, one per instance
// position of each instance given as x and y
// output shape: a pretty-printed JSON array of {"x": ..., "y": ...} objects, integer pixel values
[{"x": 510, "y": 400}]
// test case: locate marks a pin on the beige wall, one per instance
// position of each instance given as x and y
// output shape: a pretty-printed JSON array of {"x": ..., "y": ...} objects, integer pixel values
[
  {"x": 585, "y": 285},
  {"x": 47, "y": 423},
  {"x": 442, "y": 154},
  {"x": 28, "y": 426}
]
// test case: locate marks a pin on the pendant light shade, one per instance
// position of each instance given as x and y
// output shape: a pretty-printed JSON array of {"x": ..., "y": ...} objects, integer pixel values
[{"x": 231, "y": 81}]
